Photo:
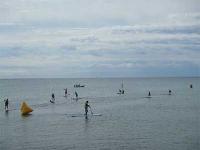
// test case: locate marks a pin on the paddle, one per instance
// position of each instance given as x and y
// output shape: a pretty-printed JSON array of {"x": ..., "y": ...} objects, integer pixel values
[{"x": 91, "y": 111}]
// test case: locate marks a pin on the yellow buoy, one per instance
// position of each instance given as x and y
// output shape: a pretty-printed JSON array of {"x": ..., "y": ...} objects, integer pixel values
[{"x": 25, "y": 109}]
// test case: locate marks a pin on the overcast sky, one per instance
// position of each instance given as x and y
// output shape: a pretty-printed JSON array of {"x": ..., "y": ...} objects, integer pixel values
[{"x": 99, "y": 38}]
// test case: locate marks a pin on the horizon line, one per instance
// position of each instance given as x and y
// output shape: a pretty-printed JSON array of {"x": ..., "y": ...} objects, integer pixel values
[{"x": 98, "y": 77}]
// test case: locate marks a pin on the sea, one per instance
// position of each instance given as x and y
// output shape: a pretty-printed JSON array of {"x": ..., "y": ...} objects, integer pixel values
[{"x": 129, "y": 121}]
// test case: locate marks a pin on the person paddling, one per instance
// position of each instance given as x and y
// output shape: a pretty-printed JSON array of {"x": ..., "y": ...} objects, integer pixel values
[
  {"x": 149, "y": 93},
  {"x": 66, "y": 92},
  {"x": 122, "y": 91},
  {"x": 6, "y": 104},
  {"x": 76, "y": 94},
  {"x": 170, "y": 92},
  {"x": 52, "y": 98},
  {"x": 86, "y": 107}
]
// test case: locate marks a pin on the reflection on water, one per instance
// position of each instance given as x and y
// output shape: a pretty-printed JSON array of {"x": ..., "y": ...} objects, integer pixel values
[
  {"x": 6, "y": 113},
  {"x": 86, "y": 123}
]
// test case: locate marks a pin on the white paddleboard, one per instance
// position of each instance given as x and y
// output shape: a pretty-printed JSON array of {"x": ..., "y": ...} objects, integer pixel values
[
  {"x": 52, "y": 101},
  {"x": 77, "y": 98},
  {"x": 83, "y": 115},
  {"x": 148, "y": 97}
]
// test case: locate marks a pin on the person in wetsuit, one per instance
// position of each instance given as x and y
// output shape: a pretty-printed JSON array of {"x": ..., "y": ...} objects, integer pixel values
[
  {"x": 149, "y": 93},
  {"x": 76, "y": 94},
  {"x": 53, "y": 97},
  {"x": 122, "y": 91},
  {"x": 6, "y": 104},
  {"x": 66, "y": 92},
  {"x": 86, "y": 107},
  {"x": 170, "y": 92}
]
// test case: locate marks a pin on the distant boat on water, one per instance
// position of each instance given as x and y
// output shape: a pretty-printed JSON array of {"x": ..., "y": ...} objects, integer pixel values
[{"x": 78, "y": 85}]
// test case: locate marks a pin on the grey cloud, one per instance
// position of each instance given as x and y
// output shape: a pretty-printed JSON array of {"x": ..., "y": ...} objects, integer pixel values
[
  {"x": 46, "y": 49},
  {"x": 92, "y": 13}
]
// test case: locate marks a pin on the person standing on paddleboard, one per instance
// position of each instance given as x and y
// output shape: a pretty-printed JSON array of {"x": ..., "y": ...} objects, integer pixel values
[
  {"x": 149, "y": 93},
  {"x": 53, "y": 97},
  {"x": 86, "y": 107},
  {"x": 66, "y": 92},
  {"x": 76, "y": 94},
  {"x": 6, "y": 104}
]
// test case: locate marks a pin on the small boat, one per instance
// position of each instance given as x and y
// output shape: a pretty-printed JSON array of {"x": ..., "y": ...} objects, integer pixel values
[
  {"x": 25, "y": 109},
  {"x": 78, "y": 85}
]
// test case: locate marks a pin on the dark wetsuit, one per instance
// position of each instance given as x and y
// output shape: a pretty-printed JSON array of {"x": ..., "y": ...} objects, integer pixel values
[
  {"x": 76, "y": 94},
  {"x": 6, "y": 104},
  {"x": 86, "y": 107},
  {"x": 122, "y": 91},
  {"x": 170, "y": 92},
  {"x": 65, "y": 92},
  {"x": 53, "y": 97}
]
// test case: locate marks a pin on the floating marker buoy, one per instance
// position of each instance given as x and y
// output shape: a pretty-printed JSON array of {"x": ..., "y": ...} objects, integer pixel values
[{"x": 25, "y": 109}]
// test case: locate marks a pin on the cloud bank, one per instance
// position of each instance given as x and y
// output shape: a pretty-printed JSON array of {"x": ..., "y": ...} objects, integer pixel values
[{"x": 35, "y": 44}]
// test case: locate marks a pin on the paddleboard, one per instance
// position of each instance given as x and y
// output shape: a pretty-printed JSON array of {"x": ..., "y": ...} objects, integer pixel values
[
  {"x": 66, "y": 95},
  {"x": 77, "y": 98},
  {"x": 52, "y": 101},
  {"x": 165, "y": 94},
  {"x": 120, "y": 93},
  {"x": 148, "y": 97},
  {"x": 83, "y": 115}
]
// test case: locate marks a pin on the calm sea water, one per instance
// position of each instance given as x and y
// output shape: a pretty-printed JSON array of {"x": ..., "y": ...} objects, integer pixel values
[{"x": 129, "y": 121}]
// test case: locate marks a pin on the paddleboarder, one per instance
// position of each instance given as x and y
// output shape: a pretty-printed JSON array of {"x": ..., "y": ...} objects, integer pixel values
[
  {"x": 52, "y": 97},
  {"x": 149, "y": 93},
  {"x": 170, "y": 92},
  {"x": 122, "y": 91},
  {"x": 86, "y": 107},
  {"x": 76, "y": 94},
  {"x": 6, "y": 104},
  {"x": 66, "y": 92}
]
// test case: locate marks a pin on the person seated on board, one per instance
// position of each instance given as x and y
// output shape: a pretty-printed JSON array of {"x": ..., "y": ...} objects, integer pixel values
[
  {"x": 120, "y": 91},
  {"x": 66, "y": 92},
  {"x": 86, "y": 107},
  {"x": 149, "y": 93},
  {"x": 53, "y": 97},
  {"x": 191, "y": 86},
  {"x": 76, "y": 94},
  {"x": 6, "y": 104},
  {"x": 170, "y": 92}
]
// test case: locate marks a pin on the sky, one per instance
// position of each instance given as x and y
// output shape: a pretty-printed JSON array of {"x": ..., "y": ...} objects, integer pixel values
[{"x": 99, "y": 38}]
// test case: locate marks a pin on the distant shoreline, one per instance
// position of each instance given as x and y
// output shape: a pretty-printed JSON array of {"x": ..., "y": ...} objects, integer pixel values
[{"x": 102, "y": 77}]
